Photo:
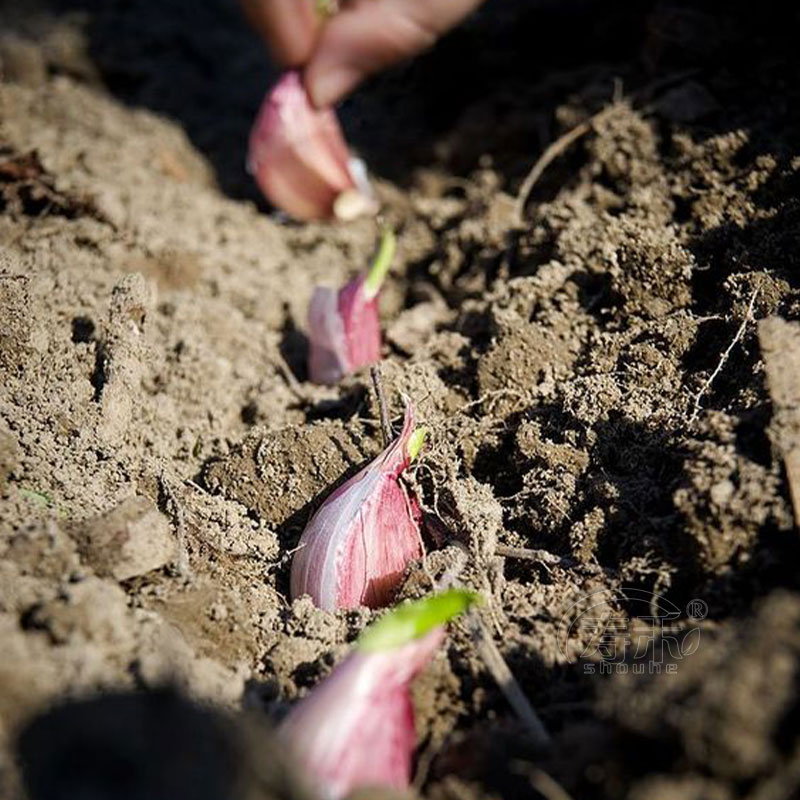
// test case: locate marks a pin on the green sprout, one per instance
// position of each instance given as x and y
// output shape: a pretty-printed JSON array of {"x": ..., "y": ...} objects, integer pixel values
[
  {"x": 415, "y": 442},
  {"x": 380, "y": 266},
  {"x": 412, "y": 620}
]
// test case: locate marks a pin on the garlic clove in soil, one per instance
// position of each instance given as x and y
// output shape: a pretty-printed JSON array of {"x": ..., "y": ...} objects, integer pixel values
[
  {"x": 356, "y": 728},
  {"x": 359, "y": 542},
  {"x": 300, "y": 160},
  {"x": 344, "y": 331}
]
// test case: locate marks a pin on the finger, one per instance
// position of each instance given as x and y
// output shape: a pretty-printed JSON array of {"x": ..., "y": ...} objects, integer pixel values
[
  {"x": 288, "y": 26},
  {"x": 368, "y": 35}
]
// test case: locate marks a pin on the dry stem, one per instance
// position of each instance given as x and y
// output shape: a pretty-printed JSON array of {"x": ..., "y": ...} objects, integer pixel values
[
  {"x": 542, "y": 556},
  {"x": 496, "y": 664},
  {"x": 493, "y": 658},
  {"x": 386, "y": 425},
  {"x": 556, "y": 148},
  {"x": 286, "y": 372},
  {"x": 550, "y": 154},
  {"x": 748, "y": 317}
]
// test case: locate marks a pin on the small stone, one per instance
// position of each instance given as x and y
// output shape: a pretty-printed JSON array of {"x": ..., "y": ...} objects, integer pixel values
[
  {"x": 722, "y": 492},
  {"x": 133, "y": 539}
]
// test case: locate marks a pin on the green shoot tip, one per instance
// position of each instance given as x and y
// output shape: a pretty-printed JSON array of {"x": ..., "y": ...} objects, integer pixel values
[
  {"x": 380, "y": 266},
  {"x": 412, "y": 620},
  {"x": 415, "y": 442}
]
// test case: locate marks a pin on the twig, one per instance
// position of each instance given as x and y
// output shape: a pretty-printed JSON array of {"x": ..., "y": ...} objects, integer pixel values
[
  {"x": 286, "y": 372},
  {"x": 542, "y": 556},
  {"x": 545, "y": 784},
  {"x": 386, "y": 425},
  {"x": 283, "y": 560},
  {"x": 748, "y": 317},
  {"x": 196, "y": 486},
  {"x": 551, "y": 152},
  {"x": 493, "y": 658},
  {"x": 496, "y": 664},
  {"x": 564, "y": 141}
]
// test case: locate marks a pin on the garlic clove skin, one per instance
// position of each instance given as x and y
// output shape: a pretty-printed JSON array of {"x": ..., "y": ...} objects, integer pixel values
[
  {"x": 299, "y": 157},
  {"x": 328, "y": 356},
  {"x": 356, "y": 728},
  {"x": 344, "y": 332},
  {"x": 362, "y": 327},
  {"x": 357, "y": 546}
]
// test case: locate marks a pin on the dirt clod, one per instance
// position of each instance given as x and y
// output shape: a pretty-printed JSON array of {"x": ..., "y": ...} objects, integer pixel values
[{"x": 133, "y": 539}]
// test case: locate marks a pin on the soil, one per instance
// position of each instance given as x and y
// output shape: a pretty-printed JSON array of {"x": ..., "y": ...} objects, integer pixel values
[{"x": 602, "y": 380}]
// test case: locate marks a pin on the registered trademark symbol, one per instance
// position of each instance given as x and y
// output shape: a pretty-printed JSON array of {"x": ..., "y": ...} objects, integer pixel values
[{"x": 697, "y": 608}]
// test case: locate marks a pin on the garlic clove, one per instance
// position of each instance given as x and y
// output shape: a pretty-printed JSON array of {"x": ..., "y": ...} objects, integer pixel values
[
  {"x": 356, "y": 729},
  {"x": 344, "y": 331},
  {"x": 299, "y": 157},
  {"x": 357, "y": 546},
  {"x": 328, "y": 355}
]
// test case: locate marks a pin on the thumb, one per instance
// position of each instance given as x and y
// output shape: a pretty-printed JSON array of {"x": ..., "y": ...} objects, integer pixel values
[{"x": 368, "y": 35}]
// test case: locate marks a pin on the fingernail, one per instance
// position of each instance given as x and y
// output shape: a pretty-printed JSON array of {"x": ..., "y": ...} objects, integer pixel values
[{"x": 329, "y": 85}]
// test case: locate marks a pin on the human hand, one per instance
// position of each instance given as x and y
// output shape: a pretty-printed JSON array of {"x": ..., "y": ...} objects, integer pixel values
[{"x": 363, "y": 37}]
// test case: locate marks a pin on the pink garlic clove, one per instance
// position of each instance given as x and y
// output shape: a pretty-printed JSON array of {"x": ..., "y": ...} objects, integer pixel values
[
  {"x": 300, "y": 160},
  {"x": 344, "y": 331},
  {"x": 360, "y": 541},
  {"x": 356, "y": 729}
]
